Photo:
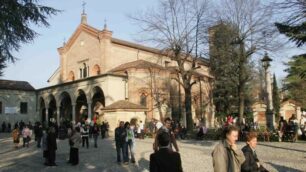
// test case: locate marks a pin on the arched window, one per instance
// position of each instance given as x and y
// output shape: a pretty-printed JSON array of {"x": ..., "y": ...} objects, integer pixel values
[
  {"x": 84, "y": 71},
  {"x": 143, "y": 99},
  {"x": 70, "y": 76}
]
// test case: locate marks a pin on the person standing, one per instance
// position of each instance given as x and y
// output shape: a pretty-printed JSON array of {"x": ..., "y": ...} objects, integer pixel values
[
  {"x": 45, "y": 147},
  {"x": 26, "y": 135},
  {"x": 282, "y": 128},
  {"x": 130, "y": 142},
  {"x": 39, "y": 135},
  {"x": 75, "y": 142},
  {"x": 15, "y": 135},
  {"x": 166, "y": 128},
  {"x": 120, "y": 139},
  {"x": 251, "y": 163},
  {"x": 85, "y": 135},
  {"x": 141, "y": 130},
  {"x": 226, "y": 156},
  {"x": 52, "y": 146},
  {"x": 165, "y": 160},
  {"x": 95, "y": 133},
  {"x": 103, "y": 130},
  {"x": 3, "y": 127}
]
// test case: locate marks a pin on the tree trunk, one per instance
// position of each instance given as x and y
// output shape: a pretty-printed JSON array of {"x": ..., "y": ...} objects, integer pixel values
[
  {"x": 161, "y": 115},
  {"x": 241, "y": 103},
  {"x": 188, "y": 109}
]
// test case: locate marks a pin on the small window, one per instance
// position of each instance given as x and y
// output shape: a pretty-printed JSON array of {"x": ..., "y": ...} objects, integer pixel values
[
  {"x": 0, "y": 107},
  {"x": 143, "y": 100},
  {"x": 23, "y": 107}
]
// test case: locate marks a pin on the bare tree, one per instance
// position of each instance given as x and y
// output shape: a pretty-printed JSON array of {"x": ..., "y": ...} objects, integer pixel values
[
  {"x": 176, "y": 26},
  {"x": 159, "y": 88},
  {"x": 255, "y": 34}
]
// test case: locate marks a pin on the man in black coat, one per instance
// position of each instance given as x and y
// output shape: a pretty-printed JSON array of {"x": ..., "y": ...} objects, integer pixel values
[
  {"x": 251, "y": 163},
  {"x": 39, "y": 135},
  {"x": 165, "y": 160},
  {"x": 120, "y": 138},
  {"x": 52, "y": 146}
]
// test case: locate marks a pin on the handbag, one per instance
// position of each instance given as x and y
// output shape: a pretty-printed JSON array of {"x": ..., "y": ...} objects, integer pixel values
[{"x": 71, "y": 142}]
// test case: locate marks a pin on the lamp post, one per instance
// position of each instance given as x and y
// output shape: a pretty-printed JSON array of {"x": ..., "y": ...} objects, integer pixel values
[{"x": 268, "y": 96}]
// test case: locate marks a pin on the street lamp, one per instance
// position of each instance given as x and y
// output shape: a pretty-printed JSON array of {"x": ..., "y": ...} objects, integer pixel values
[{"x": 269, "y": 111}]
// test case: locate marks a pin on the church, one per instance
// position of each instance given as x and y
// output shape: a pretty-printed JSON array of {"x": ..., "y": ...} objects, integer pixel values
[{"x": 109, "y": 79}]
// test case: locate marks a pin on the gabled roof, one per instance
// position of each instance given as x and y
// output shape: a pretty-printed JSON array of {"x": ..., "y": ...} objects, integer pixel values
[
  {"x": 95, "y": 33},
  {"x": 140, "y": 64},
  {"x": 16, "y": 85},
  {"x": 124, "y": 105},
  {"x": 82, "y": 27}
]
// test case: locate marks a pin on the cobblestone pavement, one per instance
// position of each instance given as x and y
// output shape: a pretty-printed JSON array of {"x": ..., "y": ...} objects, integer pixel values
[{"x": 196, "y": 157}]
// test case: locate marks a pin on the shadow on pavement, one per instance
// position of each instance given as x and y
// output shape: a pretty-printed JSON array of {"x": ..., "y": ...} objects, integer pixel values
[
  {"x": 93, "y": 159},
  {"x": 283, "y": 168},
  {"x": 278, "y": 147},
  {"x": 205, "y": 143}
]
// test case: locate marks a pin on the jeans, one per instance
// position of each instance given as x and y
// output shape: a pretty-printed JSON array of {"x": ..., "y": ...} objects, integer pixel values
[
  {"x": 121, "y": 150},
  {"x": 74, "y": 156},
  {"x": 38, "y": 141},
  {"x": 95, "y": 136},
  {"x": 130, "y": 147},
  {"x": 85, "y": 139}
]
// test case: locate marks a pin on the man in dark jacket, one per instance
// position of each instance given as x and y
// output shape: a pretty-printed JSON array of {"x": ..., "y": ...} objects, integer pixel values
[
  {"x": 39, "y": 135},
  {"x": 120, "y": 137},
  {"x": 251, "y": 163},
  {"x": 165, "y": 160},
  {"x": 52, "y": 146}
]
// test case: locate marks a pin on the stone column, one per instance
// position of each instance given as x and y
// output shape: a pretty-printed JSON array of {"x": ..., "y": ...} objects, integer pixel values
[
  {"x": 269, "y": 96},
  {"x": 47, "y": 115},
  {"x": 58, "y": 110},
  {"x": 89, "y": 111},
  {"x": 73, "y": 112}
]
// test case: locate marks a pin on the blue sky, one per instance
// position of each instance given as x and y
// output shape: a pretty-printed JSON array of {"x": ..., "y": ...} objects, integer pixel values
[{"x": 39, "y": 59}]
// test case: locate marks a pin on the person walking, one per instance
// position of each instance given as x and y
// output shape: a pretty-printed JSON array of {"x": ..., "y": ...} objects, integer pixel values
[
  {"x": 251, "y": 163},
  {"x": 75, "y": 142},
  {"x": 120, "y": 139},
  {"x": 168, "y": 129},
  {"x": 95, "y": 134},
  {"x": 226, "y": 156},
  {"x": 15, "y": 135},
  {"x": 26, "y": 135},
  {"x": 130, "y": 142},
  {"x": 165, "y": 160},
  {"x": 52, "y": 146},
  {"x": 85, "y": 135}
]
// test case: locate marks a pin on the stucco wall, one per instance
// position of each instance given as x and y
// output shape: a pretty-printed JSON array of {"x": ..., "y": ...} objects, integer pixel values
[{"x": 13, "y": 98}]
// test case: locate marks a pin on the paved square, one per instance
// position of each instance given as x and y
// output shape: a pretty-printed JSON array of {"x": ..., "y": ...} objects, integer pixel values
[{"x": 196, "y": 156}]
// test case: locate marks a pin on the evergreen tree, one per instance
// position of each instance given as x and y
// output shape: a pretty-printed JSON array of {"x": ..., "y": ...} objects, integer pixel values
[
  {"x": 16, "y": 17},
  {"x": 294, "y": 26},
  {"x": 294, "y": 84},
  {"x": 276, "y": 99}
]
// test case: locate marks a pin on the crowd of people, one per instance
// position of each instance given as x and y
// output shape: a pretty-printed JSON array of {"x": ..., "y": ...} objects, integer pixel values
[{"x": 165, "y": 154}]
